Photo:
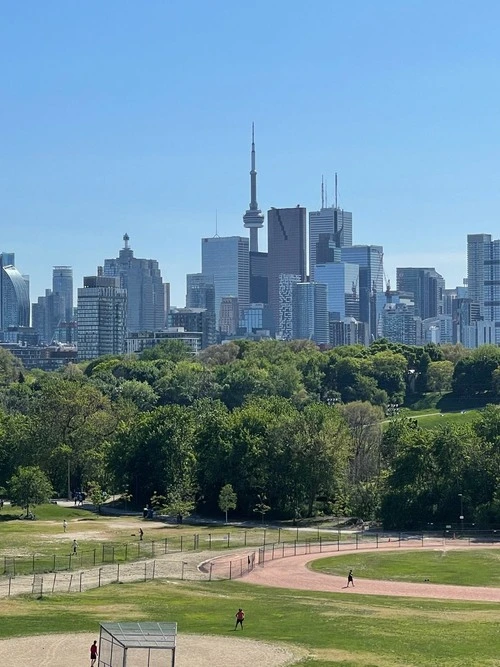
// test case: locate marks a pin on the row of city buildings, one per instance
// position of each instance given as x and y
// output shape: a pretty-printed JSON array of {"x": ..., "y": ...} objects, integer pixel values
[{"x": 311, "y": 283}]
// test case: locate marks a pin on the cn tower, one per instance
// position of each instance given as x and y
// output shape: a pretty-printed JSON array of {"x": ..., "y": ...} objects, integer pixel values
[{"x": 253, "y": 218}]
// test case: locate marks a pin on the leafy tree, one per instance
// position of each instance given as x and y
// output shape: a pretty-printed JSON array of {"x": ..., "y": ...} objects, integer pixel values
[
  {"x": 171, "y": 349},
  {"x": 363, "y": 420},
  {"x": 10, "y": 367},
  {"x": 227, "y": 499},
  {"x": 97, "y": 495},
  {"x": 261, "y": 507},
  {"x": 29, "y": 486},
  {"x": 440, "y": 376}
]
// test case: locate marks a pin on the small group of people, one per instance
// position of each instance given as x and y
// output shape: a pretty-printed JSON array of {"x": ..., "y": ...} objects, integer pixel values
[{"x": 79, "y": 497}]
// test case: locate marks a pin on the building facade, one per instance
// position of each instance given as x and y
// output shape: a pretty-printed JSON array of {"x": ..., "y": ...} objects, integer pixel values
[
  {"x": 225, "y": 263},
  {"x": 331, "y": 220},
  {"x": 102, "y": 316},
  {"x": 14, "y": 294},
  {"x": 62, "y": 285},
  {"x": 427, "y": 287},
  {"x": 286, "y": 249},
  {"x": 310, "y": 313},
  {"x": 145, "y": 292}
]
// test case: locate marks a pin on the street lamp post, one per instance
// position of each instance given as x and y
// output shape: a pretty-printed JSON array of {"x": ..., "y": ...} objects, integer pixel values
[{"x": 461, "y": 496}]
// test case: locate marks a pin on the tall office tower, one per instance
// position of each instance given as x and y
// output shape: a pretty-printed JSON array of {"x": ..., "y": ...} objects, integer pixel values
[
  {"x": 286, "y": 249},
  {"x": 370, "y": 259},
  {"x": 259, "y": 277},
  {"x": 48, "y": 316},
  {"x": 427, "y": 287},
  {"x": 284, "y": 326},
  {"x": 253, "y": 218},
  {"x": 62, "y": 284},
  {"x": 328, "y": 220},
  {"x": 145, "y": 293},
  {"x": 225, "y": 261},
  {"x": 229, "y": 315},
  {"x": 491, "y": 289},
  {"x": 14, "y": 294},
  {"x": 200, "y": 291},
  {"x": 102, "y": 316},
  {"x": 341, "y": 280},
  {"x": 309, "y": 313},
  {"x": 477, "y": 249}
]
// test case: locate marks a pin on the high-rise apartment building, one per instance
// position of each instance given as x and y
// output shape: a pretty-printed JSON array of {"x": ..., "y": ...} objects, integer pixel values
[
  {"x": 370, "y": 259},
  {"x": 62, "y": 285},
  {"x": 427, "y": 287},
  {"x": 14, "y": 294},
  {"x": 229, "y": 315},
  {"x": 145, "y": 293},
  {"x": 477, "y": 251},
  {"x": 102, "y": 314},
  {"x": 225, "y": 263},
  {"x": 286, "y": 248}
]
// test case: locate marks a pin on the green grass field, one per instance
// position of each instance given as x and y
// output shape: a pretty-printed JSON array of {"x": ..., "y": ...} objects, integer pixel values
[
  {"x": 42, "y": 545},
  {"x": 335, "y": 629},
  {"x": 472, "y": 567},
  {"x": 432, "y": 418}
]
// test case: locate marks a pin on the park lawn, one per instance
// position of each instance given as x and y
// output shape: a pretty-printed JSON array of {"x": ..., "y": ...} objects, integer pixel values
[
  {"x": 471, "y": 567},
  {"x": 42, "y": 545},
  {"x": 333, "y": 628}
]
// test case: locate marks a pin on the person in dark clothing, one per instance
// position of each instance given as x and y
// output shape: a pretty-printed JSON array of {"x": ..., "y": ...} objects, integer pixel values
[
  {"x": 350, "y": 579},
  {"x": 240, "y": 617}
]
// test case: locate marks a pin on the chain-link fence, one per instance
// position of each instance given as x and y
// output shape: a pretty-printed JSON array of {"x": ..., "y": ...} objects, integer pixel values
[{"x": 233, "y": 567}]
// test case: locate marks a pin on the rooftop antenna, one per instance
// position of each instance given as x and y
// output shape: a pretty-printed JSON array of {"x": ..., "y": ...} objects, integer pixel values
[
  {"x": 322, "y": 192},
  {"x": 326, "y": 194},
  {"x": 216, "y": 226},
  {"x": 126, "y": 238},
  {"x": 336, "y": 191}
]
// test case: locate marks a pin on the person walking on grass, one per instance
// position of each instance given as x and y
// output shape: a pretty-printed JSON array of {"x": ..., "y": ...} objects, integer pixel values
[
  {"x": 141, "y": 534},
  {"x": 350, "y": 579},
  {"x": 93, "y": 654},
  {"x": 240, "y": 617},
  {"x": 65, "y": 525},
  {"x": 75, "y": 546}
]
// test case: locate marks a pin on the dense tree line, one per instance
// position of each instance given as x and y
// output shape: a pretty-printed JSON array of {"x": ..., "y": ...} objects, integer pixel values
[{"x": 289, "y": 427}]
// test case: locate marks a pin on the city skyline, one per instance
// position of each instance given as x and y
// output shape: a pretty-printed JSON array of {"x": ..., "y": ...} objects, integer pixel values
[{"x": 129, "y": 132}]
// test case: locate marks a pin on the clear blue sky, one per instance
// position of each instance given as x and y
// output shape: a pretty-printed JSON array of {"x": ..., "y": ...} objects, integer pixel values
[{"x": 135, "y": 117}]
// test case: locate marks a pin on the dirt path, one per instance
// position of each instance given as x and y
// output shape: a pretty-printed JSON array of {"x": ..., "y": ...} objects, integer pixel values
[
  {"x": 292, "y": 572},
  {"x": 199, "y": 650}
]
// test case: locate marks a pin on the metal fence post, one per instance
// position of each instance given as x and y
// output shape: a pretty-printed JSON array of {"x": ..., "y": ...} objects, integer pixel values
[
  {"x": 230, "y": 569},
  {"x": 154, "y": 570},
  {"x": 228, "y": 539},
  {"x": 210, "y": 574},
  {"x": 94, "y": 556},
  {"x": 33, "y": 562},
  {"x": 81, "y": 575},
  {"x": 145, "y": 571},
  {"x": 181, "y": 542},
  {"x": 245, "y": 537},
  {"x": 99, "y": 580},
  {"x": 118, "y": 573},
  {"x": 357, "y": 541},
  {"x": 54, "y": 565},
  {"x": 10, "y": 583}
]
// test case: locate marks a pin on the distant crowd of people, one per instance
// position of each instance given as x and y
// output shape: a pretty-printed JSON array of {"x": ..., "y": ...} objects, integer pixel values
[{"x": 79, "y": 497}]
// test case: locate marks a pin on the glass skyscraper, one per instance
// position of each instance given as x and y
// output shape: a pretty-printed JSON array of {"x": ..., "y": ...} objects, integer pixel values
[{"x": 225, "y": 261}]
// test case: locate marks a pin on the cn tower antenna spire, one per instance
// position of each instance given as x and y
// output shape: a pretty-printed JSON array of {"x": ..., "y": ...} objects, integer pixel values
[{"x": 253, "y": 218}]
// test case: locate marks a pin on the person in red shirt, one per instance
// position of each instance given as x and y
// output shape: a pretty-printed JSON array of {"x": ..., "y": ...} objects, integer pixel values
[
  {"x": 93, "y": 654},
  {"x": 240, "y": 617}
]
